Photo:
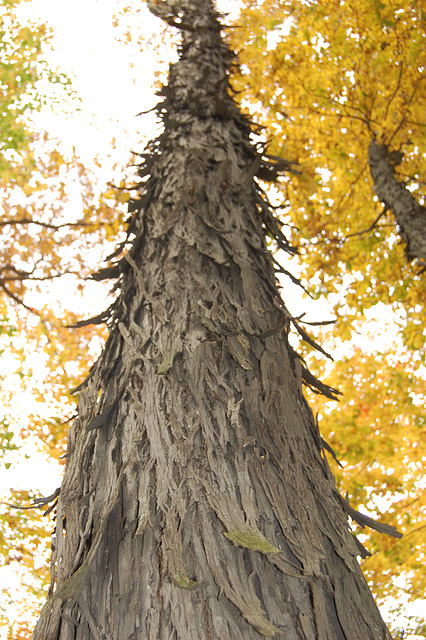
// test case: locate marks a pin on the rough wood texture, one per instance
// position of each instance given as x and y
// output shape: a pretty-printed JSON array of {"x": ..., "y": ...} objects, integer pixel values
[
  {"x": 409, "y": 214},
  {"x": 196, "y": 503}
]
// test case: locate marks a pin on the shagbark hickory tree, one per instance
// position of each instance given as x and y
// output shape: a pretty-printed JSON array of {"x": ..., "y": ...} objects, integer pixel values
[{"x": 197, "y": 502}]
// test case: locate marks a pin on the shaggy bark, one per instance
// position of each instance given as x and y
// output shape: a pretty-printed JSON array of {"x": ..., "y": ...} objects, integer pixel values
[
  {"x": 410, "y": 216},
  {"x": 197, "y": 503}
]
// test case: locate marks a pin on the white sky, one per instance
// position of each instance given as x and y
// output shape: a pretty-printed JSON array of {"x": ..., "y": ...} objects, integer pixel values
[
  {"x": 111, "y": 91},
  {"x": 113, "y": 80}
]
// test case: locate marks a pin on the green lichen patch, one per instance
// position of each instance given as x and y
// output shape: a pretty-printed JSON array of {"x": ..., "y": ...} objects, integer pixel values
[
  {"x": 250, "y": 539},
  {"x": 183, "y": 580},
  {"x": 167, "y": 363}
]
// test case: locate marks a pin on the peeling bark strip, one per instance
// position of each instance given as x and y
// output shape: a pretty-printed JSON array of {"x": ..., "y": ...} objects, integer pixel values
[
  {"x": 410, "y": 216},
  {"x": 196, "y": 504}
]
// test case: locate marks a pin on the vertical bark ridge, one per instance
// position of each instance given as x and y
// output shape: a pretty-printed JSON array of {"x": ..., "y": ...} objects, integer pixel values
[{"x": 196, "y": 503}]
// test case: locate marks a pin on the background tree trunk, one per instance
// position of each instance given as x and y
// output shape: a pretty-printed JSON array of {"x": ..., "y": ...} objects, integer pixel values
[
  {"x": 409, "y": 214},
  {"x": 197, "y": 503}
]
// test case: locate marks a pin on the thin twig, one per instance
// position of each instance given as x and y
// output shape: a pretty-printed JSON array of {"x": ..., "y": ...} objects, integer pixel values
[
  {"x": 371, "y": 227},
  {"x": 395, "y": 91},
  {"x": 16, "y": 299},
  {"x": 47, "y": 225},
  {"x": 401, "y": 122},
  {"x": 37, "y": 502}
]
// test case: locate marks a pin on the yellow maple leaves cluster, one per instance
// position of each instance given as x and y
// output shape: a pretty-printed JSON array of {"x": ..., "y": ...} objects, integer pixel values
[{"x": 324, "y": 78}]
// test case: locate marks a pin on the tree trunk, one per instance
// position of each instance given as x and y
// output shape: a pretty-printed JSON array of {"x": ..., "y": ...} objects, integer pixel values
[
  {"x": 197, "y": 503},
  {"x": 410, "y": 216}
]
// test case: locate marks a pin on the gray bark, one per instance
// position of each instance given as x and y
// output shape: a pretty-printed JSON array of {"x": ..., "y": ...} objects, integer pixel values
[
  {"x": 409, "y": 214},
  {"x": 197, "y": 503}
]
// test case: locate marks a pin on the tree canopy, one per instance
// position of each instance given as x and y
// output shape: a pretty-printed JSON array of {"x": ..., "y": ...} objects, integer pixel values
[{"x": 327, "y": 78}]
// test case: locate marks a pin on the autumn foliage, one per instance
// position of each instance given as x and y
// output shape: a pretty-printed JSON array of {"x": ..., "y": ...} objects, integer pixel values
[{"x": 57, "y": 220}]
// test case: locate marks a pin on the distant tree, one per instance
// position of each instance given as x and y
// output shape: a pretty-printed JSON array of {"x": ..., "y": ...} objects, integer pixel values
[{"x": 197, "y": 500}]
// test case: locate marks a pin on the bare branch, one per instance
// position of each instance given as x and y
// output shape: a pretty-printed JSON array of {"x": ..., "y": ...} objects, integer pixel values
[
  {"x": 46, "y": 225},
  {"x": 16, "y": 299},
  {"x": 371, "y": 227}
]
